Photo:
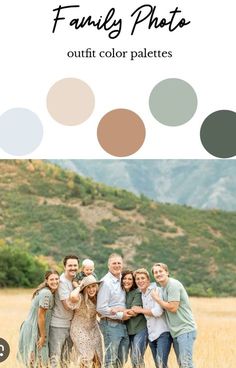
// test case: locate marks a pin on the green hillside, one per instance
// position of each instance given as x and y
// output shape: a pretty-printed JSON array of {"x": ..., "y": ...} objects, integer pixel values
[{"x": 47, "y": 213}]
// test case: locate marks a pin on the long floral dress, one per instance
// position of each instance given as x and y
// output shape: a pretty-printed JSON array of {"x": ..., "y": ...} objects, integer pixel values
[
  {"x": 28, "y": 352},
  {"x": 86, "y": 335}
]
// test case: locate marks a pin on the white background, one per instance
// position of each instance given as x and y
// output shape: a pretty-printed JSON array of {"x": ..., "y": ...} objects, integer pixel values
[{"x": 33, "y": 59}]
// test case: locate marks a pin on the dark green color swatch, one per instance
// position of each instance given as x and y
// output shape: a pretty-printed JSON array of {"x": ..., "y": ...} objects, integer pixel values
[{"x": 218, "y": 133}]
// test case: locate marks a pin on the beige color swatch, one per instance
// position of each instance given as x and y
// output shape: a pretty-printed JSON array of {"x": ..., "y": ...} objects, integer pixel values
[
  {"x": 121, "y": 132},
  {"x": 70, "y": 101}
]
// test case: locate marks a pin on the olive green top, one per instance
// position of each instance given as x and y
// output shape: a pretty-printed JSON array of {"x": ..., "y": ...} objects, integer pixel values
[{"x": 138, "y": 323}]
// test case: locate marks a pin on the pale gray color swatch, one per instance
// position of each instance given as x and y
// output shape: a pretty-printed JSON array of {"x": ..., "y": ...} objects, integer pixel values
[{"x": 21, "y": 131}]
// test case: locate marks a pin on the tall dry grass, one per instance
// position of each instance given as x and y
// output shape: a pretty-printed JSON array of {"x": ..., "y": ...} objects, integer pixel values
[{"x": 216, "y": 318}]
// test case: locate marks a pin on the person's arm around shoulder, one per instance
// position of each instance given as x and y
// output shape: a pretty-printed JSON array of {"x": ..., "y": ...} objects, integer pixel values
[
  {"x": 156, "y": 311},
  {"x": 170, "y": 306}
]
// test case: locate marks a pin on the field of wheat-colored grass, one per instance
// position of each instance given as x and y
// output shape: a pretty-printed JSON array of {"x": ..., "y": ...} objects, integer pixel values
[{"x": 216, "y": 319}]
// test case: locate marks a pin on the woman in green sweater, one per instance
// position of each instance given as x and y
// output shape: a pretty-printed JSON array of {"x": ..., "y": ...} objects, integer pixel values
[{"x": 136, "y": 325}]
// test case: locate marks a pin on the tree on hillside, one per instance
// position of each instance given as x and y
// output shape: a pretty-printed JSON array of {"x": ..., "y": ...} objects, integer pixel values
[{"x": 19, "y": 268}]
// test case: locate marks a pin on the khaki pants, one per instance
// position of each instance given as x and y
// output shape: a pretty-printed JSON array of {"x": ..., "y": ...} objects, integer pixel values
[{"x": 60, "y": 346}]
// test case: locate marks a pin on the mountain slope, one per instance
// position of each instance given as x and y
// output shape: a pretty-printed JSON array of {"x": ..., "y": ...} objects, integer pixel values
[
  {"x": 198, "y": 183},
  {"x": 53, "y": 212}
]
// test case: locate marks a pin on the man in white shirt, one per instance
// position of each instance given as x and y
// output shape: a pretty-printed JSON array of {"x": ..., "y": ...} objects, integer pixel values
[
  {"x": 113, "y": 328},
  {"x": 60, "y": 343},
  {"x": 159, "y": 336}
]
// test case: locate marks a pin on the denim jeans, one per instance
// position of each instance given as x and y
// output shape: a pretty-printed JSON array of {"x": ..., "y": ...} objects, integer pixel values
[
  {"x": 60, "y": 346},
  {"x": 116, "y": 342},
  {"x": 183, "y": 347},
  {"x": 138, "y": 345},
  {"x": 160, "y": 349}
]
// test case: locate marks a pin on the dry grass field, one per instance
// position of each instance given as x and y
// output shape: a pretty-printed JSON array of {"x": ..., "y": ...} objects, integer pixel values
[{"x": 216, "y": 318}]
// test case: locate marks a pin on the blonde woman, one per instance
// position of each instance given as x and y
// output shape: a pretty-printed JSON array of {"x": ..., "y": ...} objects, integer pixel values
[{"x": 84, "y": 332}]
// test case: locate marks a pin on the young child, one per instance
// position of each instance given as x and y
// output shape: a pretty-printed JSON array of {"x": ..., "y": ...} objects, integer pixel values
[{"x": 86, "y": 270}]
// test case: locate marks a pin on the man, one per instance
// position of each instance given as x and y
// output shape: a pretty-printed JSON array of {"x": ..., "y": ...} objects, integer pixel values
[
  {"x": 59, "y": 334},
  {"x": 113, "y": 328},
  {"x": 158, "y": 332},
  {"x": 178, "y": 314}
]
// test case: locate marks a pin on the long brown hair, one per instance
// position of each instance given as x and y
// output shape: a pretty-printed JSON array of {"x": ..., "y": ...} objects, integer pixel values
[{"x": 44, "y": 283}]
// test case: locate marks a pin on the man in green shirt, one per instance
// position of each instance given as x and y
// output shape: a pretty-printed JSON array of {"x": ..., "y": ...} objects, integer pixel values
[{"x": 178, "y": 314}]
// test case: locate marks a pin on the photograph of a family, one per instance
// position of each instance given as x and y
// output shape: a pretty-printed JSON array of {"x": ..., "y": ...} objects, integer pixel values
[{"x": 118, "y": 263}]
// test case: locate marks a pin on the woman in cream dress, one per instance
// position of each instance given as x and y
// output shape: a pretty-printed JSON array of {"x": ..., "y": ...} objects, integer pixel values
[{"x": 85, "y": 332}]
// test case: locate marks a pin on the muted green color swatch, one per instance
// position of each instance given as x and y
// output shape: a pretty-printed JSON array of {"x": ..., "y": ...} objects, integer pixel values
[{"x": 173, "y": 102}]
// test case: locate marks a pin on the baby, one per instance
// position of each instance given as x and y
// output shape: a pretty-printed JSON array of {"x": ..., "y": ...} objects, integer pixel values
[{"x": 86, "y": 270}]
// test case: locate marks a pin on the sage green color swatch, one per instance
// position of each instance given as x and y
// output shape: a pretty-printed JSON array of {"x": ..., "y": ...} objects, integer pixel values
[
  {"x": 173, "y": 102},
  {"x": 218, "y": 133}
]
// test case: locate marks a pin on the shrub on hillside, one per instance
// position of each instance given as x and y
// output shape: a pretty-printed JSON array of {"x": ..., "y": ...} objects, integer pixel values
[
  {"x": 126, "y": 204},
  {"x": 19, "y": 268}
]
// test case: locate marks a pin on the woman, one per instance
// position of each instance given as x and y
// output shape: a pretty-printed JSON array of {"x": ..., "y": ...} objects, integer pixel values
[
  {"x": 33, "y": 340},
  {"x": 136, "y": 326},
  {"x": 84, "y": 332}
]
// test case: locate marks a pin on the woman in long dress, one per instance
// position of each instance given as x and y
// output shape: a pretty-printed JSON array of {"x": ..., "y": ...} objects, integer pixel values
[
  {"x": 33, "y": 339},
  {"x": 85, "y": 332}
]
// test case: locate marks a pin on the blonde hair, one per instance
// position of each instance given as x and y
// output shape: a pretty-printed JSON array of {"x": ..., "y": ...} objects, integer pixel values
[
  {"x": 162, "y": 265},
  {"x": 87, "y": 262},
  {"x": 142, "y": 270},
  {"x": 88, "y": 300}
]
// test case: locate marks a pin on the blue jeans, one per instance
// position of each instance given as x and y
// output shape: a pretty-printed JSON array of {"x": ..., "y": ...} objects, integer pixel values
[
  {"x": 138, "y": 345},
  {"x": 183, "y": 347},
  {"x": 160, "y": 349},
  {"x": 116, "y": 342}
]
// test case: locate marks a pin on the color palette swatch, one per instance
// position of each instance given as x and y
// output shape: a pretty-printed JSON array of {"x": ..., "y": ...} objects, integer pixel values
[
  {"x": 120, "y": 132},
  {"x": 122, "y": 79},
  {"x": 70, "y": 101},
  {"x": 173, "y": 102},
  {"x": 21, "y": 131},
  {"x": 218, "y": 133}
]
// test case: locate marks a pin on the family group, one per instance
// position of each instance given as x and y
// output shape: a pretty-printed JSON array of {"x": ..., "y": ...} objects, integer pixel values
[{"x": 77, "y": 319}]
